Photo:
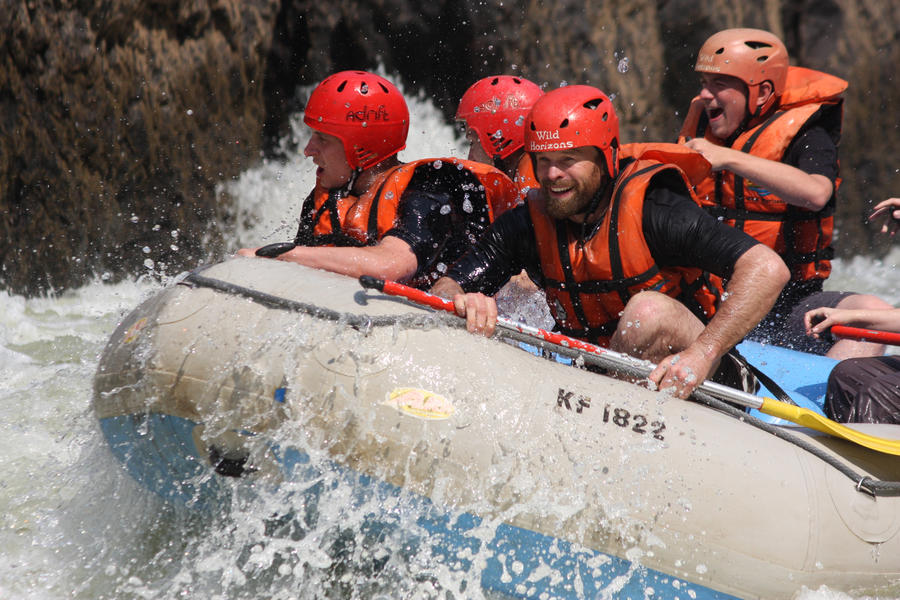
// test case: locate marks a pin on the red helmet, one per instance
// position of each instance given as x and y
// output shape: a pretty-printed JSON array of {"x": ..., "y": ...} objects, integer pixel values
[
  {"x": 495, "y": 108},
  {"x": 751, "y": 55},
  {"x": 365, "y": 111},
  {"x": 571, "y": 117}
]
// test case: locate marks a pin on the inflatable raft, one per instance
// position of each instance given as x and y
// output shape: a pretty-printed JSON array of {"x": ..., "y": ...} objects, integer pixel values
[{"x": 542, "y": 479}]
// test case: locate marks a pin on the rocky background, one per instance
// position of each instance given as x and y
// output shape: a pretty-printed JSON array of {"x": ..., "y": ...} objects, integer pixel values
[{"x": 119, "y": 117}]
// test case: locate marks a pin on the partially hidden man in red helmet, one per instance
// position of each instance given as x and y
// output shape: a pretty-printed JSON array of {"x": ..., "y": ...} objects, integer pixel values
[
  {"x": 370, "y": 214},
  {"x": 620, "y": 248},
  {"x": 770, "y": 132},
  {"x": 493, "y": 111}
]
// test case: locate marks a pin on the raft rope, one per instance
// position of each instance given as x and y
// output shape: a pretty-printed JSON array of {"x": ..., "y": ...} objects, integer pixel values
[
  {"x": 862, "y": 483},
  {"x": 873, "y": 487},
  {"x": 194, "y": 279}
]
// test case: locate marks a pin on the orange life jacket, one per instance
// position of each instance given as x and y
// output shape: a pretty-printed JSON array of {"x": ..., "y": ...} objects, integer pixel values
[
  {"x": 327, "y": 219},
  {"x": 589, "y": 281},
  {"x": 800, "y": 236}
]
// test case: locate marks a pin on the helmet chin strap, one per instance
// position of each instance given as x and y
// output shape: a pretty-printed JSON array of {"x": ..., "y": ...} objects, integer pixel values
[
  {"x": 598, "y": 197},
  {"x": 601, "y": 192},
  {"x": 345, "y": 189},
  {"x": 589, "y": 227},
  {"x": 749, "y": 117}
]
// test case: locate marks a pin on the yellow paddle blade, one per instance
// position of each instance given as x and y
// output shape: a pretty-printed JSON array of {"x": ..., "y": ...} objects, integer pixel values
[{"x": 813, "y": 420}]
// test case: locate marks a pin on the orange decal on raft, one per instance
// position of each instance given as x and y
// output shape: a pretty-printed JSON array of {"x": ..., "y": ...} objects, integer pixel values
[{"x": 420, "y": 403}]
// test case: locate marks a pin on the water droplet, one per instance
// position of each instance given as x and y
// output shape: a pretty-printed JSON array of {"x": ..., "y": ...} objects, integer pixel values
[
  {"x": 149, "y": 263},
  {"x": 437, "y": 164},
  {"x": 145, "y": 250},
  {"x": 623, "y": 65},
  {"x": 445, "y": 209}
]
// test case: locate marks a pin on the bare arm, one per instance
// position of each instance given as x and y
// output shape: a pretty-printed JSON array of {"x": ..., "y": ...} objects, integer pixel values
[
  {"x": 759, "y": 274},
  {"x": 789, "y": 183},
  {"x": 818, "y": 320},
  {"x": 391, "y": 258}
]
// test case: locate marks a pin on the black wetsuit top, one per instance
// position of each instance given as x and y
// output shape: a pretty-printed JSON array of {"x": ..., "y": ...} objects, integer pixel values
[
  {"x": 813, "y": 151},
  {"x": 678, "y": 233}
]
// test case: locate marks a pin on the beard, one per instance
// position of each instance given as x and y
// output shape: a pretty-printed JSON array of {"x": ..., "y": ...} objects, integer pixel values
[
  {"x": 573, "y": 204},
  {"x": 577, "y": 200}
]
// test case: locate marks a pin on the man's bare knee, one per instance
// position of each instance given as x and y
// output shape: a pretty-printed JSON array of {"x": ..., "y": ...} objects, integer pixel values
[
  {"x": 647, "y": 309},
  {"x": 864, "y": 302}
]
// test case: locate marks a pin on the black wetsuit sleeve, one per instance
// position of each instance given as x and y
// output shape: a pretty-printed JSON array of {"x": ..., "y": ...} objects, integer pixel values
[
  {"x": 681, "y": 234},
  {"x": 507, "y": 247},
  {"x": 441, "y": 213},
  {"x": 814, "y": 152},
  {"x": 422, "y": 224}
]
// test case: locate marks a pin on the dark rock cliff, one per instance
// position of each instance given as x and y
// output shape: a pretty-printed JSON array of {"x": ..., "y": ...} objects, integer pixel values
[{"x": 118, "y": 117}]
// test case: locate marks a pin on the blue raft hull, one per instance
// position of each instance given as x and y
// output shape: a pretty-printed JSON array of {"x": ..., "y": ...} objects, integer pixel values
[{"x": 159, "y": 451}]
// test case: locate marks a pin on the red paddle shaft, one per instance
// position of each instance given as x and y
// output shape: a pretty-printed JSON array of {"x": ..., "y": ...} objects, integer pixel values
[
  {"x": 393, "y": 288},
  {"x": 866, "y": 335}
]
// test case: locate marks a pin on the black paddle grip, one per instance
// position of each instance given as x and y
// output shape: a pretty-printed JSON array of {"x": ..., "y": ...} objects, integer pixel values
[
  {"x": 371, "y": 283},
  {"x": 276, "y": 249}
]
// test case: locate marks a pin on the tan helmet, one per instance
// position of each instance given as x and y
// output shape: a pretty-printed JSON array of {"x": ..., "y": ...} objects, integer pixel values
[{"x": 751, "y": 55}]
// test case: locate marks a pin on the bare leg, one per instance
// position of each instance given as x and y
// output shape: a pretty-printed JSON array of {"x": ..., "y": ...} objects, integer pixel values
[{"x": 653, "y": 326}]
